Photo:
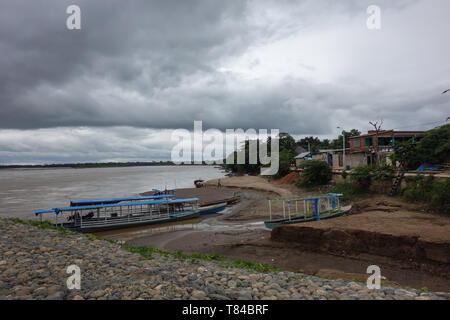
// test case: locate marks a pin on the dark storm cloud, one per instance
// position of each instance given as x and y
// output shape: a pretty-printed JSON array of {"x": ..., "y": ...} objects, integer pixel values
[
  {"x": 48, "y": 72},
  {"x": 299, "y": 66}
]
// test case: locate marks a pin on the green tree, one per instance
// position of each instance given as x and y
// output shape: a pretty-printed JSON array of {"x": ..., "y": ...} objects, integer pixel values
[
  {"x": 337, "y": 143},
  {"x": 313, "y": 143},
  {"x": 407, "y": 154},
  {"x": 287, "y": 143},
  {"x": 316, "y": 173},
  {"x": 284, "y": 164},
  {"x": 434, "y": 147},
  {"x": 362, "y": 176}
]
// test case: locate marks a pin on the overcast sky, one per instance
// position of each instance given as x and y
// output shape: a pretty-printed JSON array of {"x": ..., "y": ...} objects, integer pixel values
[{"x": 115, "y": 90}]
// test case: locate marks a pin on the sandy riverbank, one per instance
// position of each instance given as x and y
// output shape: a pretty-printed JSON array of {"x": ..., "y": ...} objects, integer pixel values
[{"x": 239, "y": 234}]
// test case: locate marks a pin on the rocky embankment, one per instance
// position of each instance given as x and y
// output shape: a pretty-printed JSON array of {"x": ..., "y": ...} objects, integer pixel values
[{"x": 33, "y": 264}]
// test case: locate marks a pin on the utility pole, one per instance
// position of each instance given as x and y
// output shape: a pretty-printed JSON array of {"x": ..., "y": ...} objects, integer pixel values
[{"x": 343, "y": 147}]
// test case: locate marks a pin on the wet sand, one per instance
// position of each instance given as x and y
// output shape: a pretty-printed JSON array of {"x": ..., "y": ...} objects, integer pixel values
[{"x": 239, "y": 233}]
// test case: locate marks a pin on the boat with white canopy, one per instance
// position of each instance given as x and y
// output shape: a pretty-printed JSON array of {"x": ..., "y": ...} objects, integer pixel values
[{"x": 95, "y": 217}]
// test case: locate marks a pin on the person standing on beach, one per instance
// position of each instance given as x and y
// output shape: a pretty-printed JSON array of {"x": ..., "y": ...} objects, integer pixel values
[{"x": 219, "y": 185}]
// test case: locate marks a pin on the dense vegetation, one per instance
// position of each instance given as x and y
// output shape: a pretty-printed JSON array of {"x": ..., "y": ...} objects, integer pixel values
[
  {"x": 348, "y": 190},
  {"x": 434, "y": 192},
  {"x": 362, "y": 178},
  {"x": 433, "y": 148},
  {"x": 315, "y": 144},
  {"x": 288, "y": 149},
  {"x": 286, "y": 153},
  {"x": 315, "y": 173}
]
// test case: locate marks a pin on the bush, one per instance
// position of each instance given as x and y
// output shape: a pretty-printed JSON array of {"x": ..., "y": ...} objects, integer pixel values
[
  {"x": 383, "y": 172},
  {"x": 435, "y": 193},
  {"x": 344, "y": 174},
  {"x": 316, "y": 173},
  {"x": 362, "y": 176},
  {"x": 284, "y": 165},
  {"x": 348, "y": 190}
]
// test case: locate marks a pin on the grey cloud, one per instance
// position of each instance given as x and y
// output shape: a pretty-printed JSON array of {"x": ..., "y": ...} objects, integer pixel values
[
  {"x": 82, "y": 144},
  {"x": 163, "y": 64}
]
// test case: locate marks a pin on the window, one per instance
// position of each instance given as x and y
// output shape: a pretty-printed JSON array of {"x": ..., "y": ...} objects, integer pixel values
[
  {"x": 368, "y": 141},
  {"x": 357, "y": 143},
  {"x": 384, "y": 141}
]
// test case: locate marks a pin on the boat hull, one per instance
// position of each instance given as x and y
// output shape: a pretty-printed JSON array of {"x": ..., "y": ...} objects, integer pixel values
[
  {"x": 121, "y": 223},
  {"x": 280, "y": 222},
  {"x": 183, "y": 216},
  {"x": 212, "y": 209}
]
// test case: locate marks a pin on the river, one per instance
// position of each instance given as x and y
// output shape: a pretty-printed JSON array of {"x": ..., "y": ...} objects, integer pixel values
[{"x": 22, "y": 191}]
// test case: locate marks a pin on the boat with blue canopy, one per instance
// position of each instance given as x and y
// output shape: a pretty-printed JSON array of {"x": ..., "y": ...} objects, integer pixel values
[
  {"x": 78, "y": 203},
  {"x": 95, "y": 217},
  {"x": 297, "y": 210}
]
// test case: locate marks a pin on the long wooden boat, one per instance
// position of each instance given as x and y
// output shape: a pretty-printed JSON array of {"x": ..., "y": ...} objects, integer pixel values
[
  {"x": 324, "y": 215},
  {"x": 215, "y": 208},
  {"x": 123, "y": 214},
  {"x": 323, "y": 207}
]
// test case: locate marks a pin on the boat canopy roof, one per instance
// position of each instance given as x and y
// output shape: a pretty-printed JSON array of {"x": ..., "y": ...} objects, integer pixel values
[
  {"x": 311, "y": 198},
  {"x": 77, "y": 203},
  {"x": 170, "y": 201}
]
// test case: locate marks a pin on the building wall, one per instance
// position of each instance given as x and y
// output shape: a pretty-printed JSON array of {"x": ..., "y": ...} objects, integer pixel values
[
  {"x": 356, "y": 159},
  {"x": 338, "y": 161},
  {"x": 351, "y": 159},
  {"x": 298, "y": 162},
  {"x": 371, "y": 135},
  {"x": 362, "y": 144},
  {"x": 320, "y": 156}
]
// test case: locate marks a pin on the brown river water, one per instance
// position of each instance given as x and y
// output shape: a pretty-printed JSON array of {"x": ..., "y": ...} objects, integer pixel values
[{"x": 22, "y": 191}]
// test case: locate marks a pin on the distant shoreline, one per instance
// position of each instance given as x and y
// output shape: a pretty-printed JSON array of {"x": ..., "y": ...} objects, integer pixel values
[{"x": 101, "y": 165}]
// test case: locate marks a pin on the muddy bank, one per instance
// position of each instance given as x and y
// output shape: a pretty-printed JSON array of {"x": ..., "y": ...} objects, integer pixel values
[
  {"x": 255, "y": 245},
  {"x": 239, "y": 234},
  {"x": 389, "y": 231},
  {"x": 385, "y": 229},
  {"x": 426, "y": 256},
  {"x": 34, "y": 262}
]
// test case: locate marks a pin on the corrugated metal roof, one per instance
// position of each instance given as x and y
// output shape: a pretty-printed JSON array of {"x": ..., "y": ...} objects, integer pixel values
[{"x": 303, "y": 155}]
